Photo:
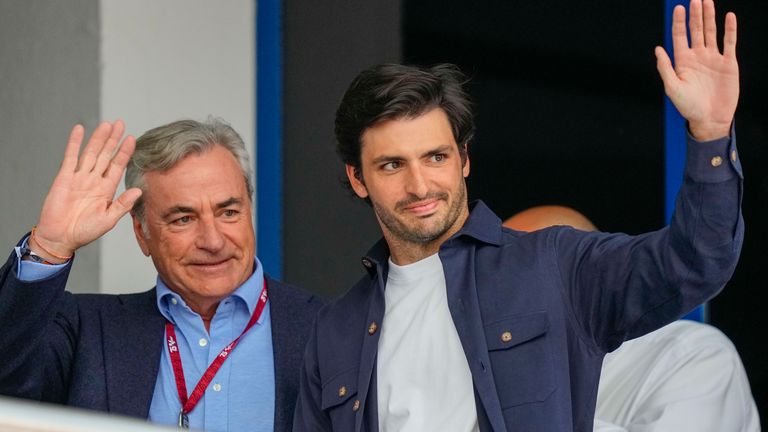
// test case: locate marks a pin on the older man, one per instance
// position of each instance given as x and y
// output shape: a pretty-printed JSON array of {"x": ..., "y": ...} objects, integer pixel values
[
  {"x": 463, "y": 325},
  {"x": 216, "y": 345}
]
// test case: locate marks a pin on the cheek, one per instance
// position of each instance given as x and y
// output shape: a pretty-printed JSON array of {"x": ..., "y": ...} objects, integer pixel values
[
  {"x": 388, "y": 189},
  {"x": 174, "y": 245},
  {"x": 240, "y": 234},
  {"x": 452, "y": 180}
]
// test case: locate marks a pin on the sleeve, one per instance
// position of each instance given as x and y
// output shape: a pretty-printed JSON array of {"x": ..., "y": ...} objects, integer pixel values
[
  {"x": 31, "y": 271},
  {"x": 39, "y": 322},
  {"x": 619, "y": 286},
  {"x": 309, "y": 416}
]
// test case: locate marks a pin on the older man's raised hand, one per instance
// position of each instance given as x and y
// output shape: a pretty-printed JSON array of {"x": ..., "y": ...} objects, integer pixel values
[
  {"x": 80, "y": 206},
  {"x": 703, "y": 84}
]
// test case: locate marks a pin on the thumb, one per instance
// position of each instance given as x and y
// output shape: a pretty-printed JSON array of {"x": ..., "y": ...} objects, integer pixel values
[
  {"x": 666, "y": 71},
  {"x": 123, "y": 204}
]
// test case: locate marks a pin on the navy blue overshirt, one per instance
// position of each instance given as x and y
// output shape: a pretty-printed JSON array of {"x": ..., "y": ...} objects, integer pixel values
[{"x": 566, "y": 296}]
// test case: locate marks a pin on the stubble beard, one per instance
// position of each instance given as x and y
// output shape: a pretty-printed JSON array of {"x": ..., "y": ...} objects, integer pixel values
[{"x": 416, "y": 234}]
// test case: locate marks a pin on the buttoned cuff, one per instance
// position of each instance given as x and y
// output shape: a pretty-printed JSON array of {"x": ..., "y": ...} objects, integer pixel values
[{"x": 713, "y": 161}]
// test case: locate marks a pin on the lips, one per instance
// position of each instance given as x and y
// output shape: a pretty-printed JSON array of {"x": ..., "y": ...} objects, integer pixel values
[
  {"x": 211, "y": 266},
  {"x": 422, "y": 208}
]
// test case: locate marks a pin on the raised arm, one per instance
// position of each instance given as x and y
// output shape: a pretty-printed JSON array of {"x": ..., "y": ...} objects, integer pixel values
[
  {"x": 40, "y": 320},
  {"x": 703, "y": 84},
  {"x": 80, "y": 206},
  {"x": 626, "y": 286}
]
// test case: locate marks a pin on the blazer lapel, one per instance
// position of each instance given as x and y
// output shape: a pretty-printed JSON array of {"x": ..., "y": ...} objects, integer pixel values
[
  {"x": 133, "y": 343},
  {"x": 288, "y": 350}
]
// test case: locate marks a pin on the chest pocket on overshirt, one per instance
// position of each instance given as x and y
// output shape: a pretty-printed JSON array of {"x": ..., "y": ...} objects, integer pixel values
[
  {"x": 521, "y": 359},
  {"x": 339, "y": 399}
]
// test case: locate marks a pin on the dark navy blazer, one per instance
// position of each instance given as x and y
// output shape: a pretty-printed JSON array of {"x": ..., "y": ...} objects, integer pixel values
[
  {"x": 566, "y": 297},
  {"x": 103, "y": 352}
]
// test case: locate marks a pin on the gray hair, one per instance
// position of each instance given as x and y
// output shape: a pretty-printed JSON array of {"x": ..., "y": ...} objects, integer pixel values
[{"x": 159, "y": 149}]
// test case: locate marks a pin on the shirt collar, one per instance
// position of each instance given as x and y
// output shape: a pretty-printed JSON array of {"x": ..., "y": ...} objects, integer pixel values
[
  {"x": 248, "y": 292},
  {"x": 482, "y": 225}
]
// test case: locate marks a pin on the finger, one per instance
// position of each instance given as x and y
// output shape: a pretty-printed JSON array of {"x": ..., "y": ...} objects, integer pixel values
[
  {"x": 729, "y": 38},
  {"x": 710, "y": 26},
  {"x": 666, "y": 71},
  {"x": 123, "y": 204},
  {"x": 106, "y": 153},
  {"x": 120, "y": 161},
  {"x": 69, "y": 163},
  {"x": 679, "y": 35},
  {"x": 94, "y": 146},
  {"x": 696, "y": 24}
]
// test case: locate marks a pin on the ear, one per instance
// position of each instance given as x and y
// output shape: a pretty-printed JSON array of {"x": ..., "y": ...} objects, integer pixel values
[
  {"x": 137, "y": 230},
  {"x": 356, "y": 180},
  {"x": 465, "y": 168}
]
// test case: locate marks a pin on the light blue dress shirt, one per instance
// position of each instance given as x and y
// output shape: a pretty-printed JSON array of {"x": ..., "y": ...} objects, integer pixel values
[{"x": 241, "y": 395}]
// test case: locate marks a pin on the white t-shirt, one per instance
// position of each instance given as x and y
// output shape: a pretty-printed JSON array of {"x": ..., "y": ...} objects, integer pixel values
[{"x": 423, "y": 379}]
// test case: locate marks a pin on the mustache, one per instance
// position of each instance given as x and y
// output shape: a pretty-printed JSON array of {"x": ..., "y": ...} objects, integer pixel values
[{"x": 412, "y": 199}]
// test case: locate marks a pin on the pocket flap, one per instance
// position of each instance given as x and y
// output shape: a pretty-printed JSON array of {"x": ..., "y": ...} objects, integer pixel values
[
  {"x": 512, "y": 331},
  {"x": 340, "y": 388}
]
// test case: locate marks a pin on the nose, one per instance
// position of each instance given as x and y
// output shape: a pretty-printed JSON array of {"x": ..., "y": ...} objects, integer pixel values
[
  {"x": 416, "y": 183},
  {"x": 209, "y": 236}
]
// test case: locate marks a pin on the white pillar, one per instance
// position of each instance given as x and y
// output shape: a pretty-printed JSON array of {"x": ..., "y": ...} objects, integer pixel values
[
  {"x": 144, "y": 61},
  {"x": 163, "y": 61}
]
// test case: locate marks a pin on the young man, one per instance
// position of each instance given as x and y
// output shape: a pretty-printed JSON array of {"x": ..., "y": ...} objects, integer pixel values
[
  {"x": 216, "y": 345},
  {"x": 463, "y": 325}
]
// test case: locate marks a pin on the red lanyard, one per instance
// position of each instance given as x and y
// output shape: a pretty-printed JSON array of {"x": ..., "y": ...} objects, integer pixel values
[{"x": 189, "y": 403}]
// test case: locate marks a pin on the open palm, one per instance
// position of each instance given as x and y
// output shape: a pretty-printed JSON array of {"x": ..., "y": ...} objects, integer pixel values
[
  {"x": 704, "y": 84},
  {"x": 80, "y": 206}
]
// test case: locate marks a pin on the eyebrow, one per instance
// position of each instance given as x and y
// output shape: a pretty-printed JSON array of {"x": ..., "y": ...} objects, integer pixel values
[
  {"x": 180, "y": 209},
  {"x": 442, "y": 149},
  {"x": 229, "y": 202},
  {"x": 385, "y": 158},
  {"x": 177, "y": 210}
]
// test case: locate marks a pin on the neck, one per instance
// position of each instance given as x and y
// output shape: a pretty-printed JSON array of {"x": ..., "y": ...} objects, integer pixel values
[
  {"x": 404, "y": 253},
  {"x": 206, "y": 310},
  {"x": 207, "y": 323}
]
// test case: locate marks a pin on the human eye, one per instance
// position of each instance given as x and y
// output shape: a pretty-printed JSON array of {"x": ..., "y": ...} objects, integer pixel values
[
  {"x": 438, "y": 157},
  {"x": 391, "y": 166},
  {"x": 183, "y": 220},
  {"x": 230, "y": 213}
]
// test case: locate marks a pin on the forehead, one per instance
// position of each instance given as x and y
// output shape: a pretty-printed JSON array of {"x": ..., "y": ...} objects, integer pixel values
[
  {"x": 213, "y": 173},
  {"x": 429, "y": 129}
]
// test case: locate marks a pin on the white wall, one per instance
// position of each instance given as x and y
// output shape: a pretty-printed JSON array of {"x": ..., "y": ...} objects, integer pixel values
[{"x": 162, "y": 61}]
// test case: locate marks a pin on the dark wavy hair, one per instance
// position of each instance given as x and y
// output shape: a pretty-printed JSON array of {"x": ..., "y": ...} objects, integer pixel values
[{"x": 393, "y": 91}]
